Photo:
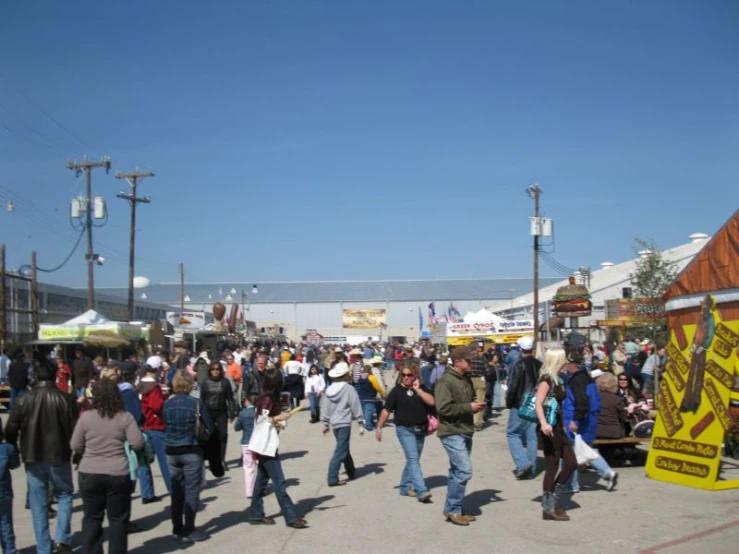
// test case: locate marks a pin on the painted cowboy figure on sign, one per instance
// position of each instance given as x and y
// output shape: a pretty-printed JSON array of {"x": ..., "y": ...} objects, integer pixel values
[{"x": 701, "y": 343}]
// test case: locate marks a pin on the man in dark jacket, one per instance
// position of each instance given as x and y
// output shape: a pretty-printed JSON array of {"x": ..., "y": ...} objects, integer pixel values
[
  {"x": 45, "y": 418},
  {"x": 18, "y": 377},
  {"x": 82, "y": 371},
  {"x": 252, "y": 382},
  {"x": 521, "y": 434}
]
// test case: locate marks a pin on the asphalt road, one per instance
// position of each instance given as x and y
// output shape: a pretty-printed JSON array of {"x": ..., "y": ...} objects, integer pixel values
[{"x": 369, "y": 515}]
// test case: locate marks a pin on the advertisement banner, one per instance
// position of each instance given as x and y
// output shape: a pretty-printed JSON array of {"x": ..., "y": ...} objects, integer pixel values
[
  {"x": 192, "y": 321},
  {"x": 502, "y": 338},
  {"x": 634, "y": 310},
  {"x": 363, "y": 319},
  {"x": 693, "y": 402}
]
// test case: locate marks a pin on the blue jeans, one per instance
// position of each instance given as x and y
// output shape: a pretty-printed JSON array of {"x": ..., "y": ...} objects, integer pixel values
[
  {"x": 15, "y": 394},
  {"x": 271, "y": 468},
  {"x": 368, "y": 409},
  {"x": 341, "y": 455},
  {"x": 7, "y": 536},
  {"x": 411, "y": 441},
  {"x": 39, "y": 475},
  {"x": 522, "y": 443},
  {"x": 186, "y": 471},
  {"x": 646, "y": 380},
  {"x": 458, "y": 448},
  {"x": 80, "y": 391},
  {"x": 600, "y": 466},
  {"x": 160, "y": 449},
  {"x": 313, "y": 401}
]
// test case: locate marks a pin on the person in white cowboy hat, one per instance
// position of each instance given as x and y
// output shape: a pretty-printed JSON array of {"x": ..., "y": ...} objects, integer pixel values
[
  {"x": 355, "y": 364},
  {"x": 340, "y": 406}
]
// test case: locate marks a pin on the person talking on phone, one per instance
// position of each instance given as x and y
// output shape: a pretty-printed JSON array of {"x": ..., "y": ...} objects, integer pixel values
[
  {"x": 456, "y": 407},
  {"x": 411, "y": 402}
]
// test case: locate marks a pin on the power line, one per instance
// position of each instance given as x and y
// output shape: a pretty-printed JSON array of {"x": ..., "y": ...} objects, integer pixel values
[
  {"x": 47, "y": 114},
  {"x": 38, "y": 133}
]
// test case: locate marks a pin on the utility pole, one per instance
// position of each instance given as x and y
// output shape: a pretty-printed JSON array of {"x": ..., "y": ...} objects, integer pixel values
[
  {"x": 182, "y": 290},
  {"x": 534, "y": 192},
  {"x": 86, "y": 167},
  {"x": 133, "y": 200},
  {"x": 34, "y": 296},
  {"x": 3, "y": 313}
]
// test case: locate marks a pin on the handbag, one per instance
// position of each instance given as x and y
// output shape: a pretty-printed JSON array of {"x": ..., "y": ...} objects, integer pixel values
[
  {"x": 264, "y": 438},
  {"x": 527, "y": 410},
  {"x": 201, "y": 431},
  {"x": 432, "y": 424}
]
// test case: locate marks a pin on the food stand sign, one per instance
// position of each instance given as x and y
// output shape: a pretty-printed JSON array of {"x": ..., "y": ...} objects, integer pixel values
[
  {"x": 191, "y": 321},
  {"x": 693, "y": 402}
]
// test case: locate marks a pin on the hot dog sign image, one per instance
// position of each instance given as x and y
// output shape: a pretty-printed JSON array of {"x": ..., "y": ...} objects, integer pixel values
[{"x": 693, "y": 401}]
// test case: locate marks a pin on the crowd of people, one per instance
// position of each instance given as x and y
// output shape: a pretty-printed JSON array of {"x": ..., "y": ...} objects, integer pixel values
[{"x": 114, "y": 419}]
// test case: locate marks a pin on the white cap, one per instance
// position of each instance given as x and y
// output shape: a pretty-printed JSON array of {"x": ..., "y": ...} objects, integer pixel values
[
  {"x": 154, "y": 362},
  {"x": 596, "y": 373},
  {"x": 525, "y": 343}
]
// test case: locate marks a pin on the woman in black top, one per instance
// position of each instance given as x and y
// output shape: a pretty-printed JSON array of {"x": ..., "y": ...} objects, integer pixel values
[{"x": 411, "y": 403}]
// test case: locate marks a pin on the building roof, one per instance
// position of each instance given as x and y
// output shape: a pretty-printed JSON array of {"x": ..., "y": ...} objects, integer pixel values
[
  {"x": 340, "y": 291},
  {"x": 606, "y": 277},
  {"x": 714, "y": 268}
]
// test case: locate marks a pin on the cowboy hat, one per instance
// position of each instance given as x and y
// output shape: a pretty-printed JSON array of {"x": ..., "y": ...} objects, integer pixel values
[{"x": 339, "y": 370}]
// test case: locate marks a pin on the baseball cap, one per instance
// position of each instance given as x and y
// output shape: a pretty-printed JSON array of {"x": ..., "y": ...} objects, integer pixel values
[
  {"x": 154, "y": 362},
  {"x": 525, "y": 343},
  {"x": 463, "y": 353}
]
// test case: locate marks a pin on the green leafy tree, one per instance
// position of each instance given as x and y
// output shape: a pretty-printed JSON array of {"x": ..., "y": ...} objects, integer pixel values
[{"x": 651, "y": 277}]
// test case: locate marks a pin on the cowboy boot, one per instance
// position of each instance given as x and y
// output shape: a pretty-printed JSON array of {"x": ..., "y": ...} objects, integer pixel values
[
  {"x": 559, "y": 512},
  {"x": 547, "y": 506}
]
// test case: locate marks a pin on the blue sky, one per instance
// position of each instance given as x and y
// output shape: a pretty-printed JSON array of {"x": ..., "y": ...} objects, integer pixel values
[{"x": 324, "y": 140}]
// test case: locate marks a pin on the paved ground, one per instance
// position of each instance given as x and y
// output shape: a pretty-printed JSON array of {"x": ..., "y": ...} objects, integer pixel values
[{"x": 368, "y": 515}]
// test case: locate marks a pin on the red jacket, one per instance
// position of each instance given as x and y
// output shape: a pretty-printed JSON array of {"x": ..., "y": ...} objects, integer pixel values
[{"x": 152, "y": 404}]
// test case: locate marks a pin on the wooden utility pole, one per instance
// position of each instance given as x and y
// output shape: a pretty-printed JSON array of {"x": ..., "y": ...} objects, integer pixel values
[
  {"x": 3, "y": 313},
  {"x": 133, "y": 200},
  {"x": 34, "y": 296},
  {"x": 86, "y": 167},
  {"x": 534, "y": 192},
  {"x": 182, "y": 290}
]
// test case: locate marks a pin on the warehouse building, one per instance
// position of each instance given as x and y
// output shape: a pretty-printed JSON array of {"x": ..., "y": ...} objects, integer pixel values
[{"x": 341, "y": 310}]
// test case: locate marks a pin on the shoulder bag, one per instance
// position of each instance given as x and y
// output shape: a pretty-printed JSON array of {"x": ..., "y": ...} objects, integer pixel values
[
  {"x": 527, "y": 409},
  {"x": 201, "y": 431}
]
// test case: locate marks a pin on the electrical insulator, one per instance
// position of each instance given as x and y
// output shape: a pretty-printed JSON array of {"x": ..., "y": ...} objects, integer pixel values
[{"x": 99, "y": 207}]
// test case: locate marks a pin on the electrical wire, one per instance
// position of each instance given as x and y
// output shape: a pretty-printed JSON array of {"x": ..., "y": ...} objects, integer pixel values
[{"x": 69, "y": 257}]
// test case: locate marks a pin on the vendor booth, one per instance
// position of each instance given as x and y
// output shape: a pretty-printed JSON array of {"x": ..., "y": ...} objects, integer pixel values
[
  {"x": 90, "y": 329},
  {"x": 697, "y": 398},
  {"x": 486, "y": 326}
]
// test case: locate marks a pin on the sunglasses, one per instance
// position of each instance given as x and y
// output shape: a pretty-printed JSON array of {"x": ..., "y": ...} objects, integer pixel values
[{"x": 407, "y": 375}]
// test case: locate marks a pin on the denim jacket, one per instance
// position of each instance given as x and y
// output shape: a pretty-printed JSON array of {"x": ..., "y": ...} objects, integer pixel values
[{"x": 179, "y": 420}]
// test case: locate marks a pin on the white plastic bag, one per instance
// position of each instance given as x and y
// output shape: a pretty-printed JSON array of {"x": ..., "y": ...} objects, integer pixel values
[
  {"x": 583, "y": 452},
  {"x": 264, "y": 439}
]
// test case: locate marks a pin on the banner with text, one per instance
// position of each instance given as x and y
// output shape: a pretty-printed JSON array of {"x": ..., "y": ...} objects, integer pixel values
[{"x": 363, "y": 319}]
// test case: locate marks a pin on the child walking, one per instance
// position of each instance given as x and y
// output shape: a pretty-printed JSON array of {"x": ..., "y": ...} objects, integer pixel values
[
  {"x": 9, "y": 459},
  {"x": 245, "y": 423}
]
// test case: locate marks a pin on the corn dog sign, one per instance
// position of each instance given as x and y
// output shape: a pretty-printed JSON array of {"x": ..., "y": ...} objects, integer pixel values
[{"x": 693, "y": 402}]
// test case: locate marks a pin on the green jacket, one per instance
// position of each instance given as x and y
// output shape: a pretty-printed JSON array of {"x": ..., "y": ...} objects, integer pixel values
[{"x": 454, "y": 394}]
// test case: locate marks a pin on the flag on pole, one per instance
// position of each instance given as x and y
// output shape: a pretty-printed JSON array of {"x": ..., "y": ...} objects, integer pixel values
[
  {"x": 420, "y": 320},
  {"x": 432, "y": 314},
  {"x": 453, "y": 313}
]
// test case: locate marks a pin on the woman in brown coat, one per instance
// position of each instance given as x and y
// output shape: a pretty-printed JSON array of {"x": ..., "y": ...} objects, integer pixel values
[{"x": 613, "y": 415}]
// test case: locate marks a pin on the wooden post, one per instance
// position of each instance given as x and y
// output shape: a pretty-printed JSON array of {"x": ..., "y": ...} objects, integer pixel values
[{"x": 34, "y": 296}]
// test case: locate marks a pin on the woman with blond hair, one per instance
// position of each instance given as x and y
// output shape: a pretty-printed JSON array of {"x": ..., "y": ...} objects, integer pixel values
[{"x": 556, "y": 445}]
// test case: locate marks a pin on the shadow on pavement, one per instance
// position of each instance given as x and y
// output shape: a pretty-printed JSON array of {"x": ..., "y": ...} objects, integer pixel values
[
  {"x": 307, "y": 505},
  {"x": 436, "y": 481},
  {"x": 368, "y": 469},
  {"x": 473, "y": 502},
  {"x": 291, "y": 455}
]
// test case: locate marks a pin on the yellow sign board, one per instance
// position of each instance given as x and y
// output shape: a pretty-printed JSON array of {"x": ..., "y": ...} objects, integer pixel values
[
  {"x": 76, "y": 333},
  {"x": 363, "y": 319},
  {"x": 693, "y": 402},
  {"x": 500, "y": 338}
]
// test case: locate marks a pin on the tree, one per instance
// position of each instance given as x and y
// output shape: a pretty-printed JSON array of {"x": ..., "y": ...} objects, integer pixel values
[{"x": 651, "y": 277}]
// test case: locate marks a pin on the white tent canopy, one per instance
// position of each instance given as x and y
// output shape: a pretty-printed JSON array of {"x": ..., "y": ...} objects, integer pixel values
[
  {"x": 86, "y": 325},
  {"x": 483, "y": 316}
]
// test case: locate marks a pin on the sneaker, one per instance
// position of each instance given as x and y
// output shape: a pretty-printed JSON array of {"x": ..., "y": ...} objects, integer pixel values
[
  {"x": 196, "y": 536},
  {"x": 151, "y": 500},
  {"x": 175, "y": 537},
  {"x": 522, "y": 473},
  {"x": 611, "y": 481},
  {"x": 410, "y": 493}
]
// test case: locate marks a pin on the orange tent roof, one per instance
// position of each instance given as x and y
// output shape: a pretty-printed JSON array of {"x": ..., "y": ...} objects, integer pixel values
[{"x": 716, "y": 267}]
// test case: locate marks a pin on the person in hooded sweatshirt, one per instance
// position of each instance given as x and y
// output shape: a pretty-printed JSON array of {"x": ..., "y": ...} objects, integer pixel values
[
  {"x": 152, "y": 406},
  {"x": 339, "y": 407}
]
